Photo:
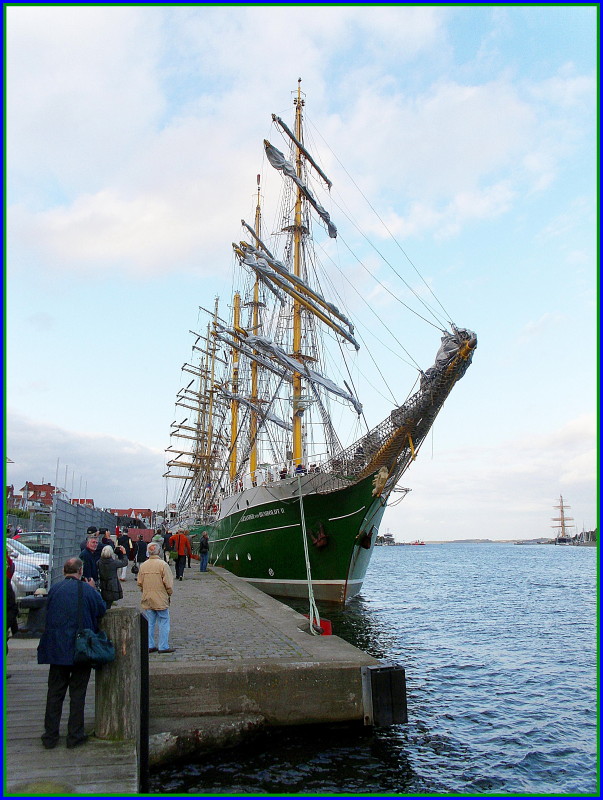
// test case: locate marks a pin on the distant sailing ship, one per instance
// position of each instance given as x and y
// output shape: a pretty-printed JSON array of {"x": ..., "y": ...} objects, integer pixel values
[
  {"x": 287, "y": 505},
  {"x": 563, "y": 535}
]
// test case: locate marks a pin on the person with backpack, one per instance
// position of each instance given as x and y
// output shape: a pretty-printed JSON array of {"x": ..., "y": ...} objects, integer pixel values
[{"x": 203, "y": 552}]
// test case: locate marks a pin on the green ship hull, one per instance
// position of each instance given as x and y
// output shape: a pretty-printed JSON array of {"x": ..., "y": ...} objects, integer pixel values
[{"x": 259, "y": 536}]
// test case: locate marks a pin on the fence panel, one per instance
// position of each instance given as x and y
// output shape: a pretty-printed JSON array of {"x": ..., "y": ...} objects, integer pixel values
[
  {"x": 36, "y": 521},
  {"x": 69, "y": 525}
]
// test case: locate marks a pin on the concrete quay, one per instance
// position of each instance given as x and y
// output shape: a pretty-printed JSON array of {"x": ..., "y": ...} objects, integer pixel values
[{"x": 242, "y": 661}]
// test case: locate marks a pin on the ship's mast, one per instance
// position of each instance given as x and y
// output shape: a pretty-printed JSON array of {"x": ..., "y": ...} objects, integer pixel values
[
  {"x": 253, "y": 420},
  {"x": 297, "y": 267},
  {"x": 234, "y": 404},
  {"x": 210, "y": 412}
]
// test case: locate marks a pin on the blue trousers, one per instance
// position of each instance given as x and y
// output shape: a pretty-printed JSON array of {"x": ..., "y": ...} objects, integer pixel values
[
  {"x": 203, "y": 562},
  {"x": 163, "y": 619}
]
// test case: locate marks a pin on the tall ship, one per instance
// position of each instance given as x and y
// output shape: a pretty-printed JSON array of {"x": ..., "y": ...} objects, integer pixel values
[
  {"x": 563, "y": 523},
  {"x": 290, "y": 490}
]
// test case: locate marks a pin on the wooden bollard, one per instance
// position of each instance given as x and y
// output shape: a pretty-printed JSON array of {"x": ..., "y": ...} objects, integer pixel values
[{"x": 117, "y": 694}]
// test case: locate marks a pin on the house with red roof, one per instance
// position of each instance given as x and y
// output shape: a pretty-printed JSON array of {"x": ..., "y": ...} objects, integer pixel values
[
  {"x": 38, "y": 495},
  {"x": 88, "y": 502}
]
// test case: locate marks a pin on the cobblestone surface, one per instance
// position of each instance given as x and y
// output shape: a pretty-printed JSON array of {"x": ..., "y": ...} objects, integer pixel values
[{"x": 211, "y": 621}]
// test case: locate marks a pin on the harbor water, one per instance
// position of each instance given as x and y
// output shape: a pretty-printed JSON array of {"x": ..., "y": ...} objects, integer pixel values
[{"x": 499, "y": 643}]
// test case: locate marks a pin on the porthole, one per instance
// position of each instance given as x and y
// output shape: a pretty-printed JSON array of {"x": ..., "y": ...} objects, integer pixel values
[
  {"x": 236, "y": 557},
  {"x": 227, "y": 557},
  {"x": 271, "y": 572},
  {"x": 249, "y": 556}
]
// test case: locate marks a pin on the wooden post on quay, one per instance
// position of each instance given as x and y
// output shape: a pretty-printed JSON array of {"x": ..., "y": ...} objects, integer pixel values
[{"x": 117, "y": 696}]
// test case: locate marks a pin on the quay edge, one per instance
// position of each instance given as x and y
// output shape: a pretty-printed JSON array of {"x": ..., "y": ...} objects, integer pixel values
[{"x": 197, "y": 705}]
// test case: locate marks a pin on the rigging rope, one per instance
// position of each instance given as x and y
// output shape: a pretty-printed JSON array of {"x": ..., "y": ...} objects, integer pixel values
[
  {"x": 314, "y": 615},
  {"x": 398, "y": 245}
]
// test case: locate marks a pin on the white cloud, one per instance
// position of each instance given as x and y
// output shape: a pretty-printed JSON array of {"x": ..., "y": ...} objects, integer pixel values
[
  {"x": 567, "y": 88},
  {"x": 503, "y": 492},
  {"x": 117, "y": 473},
  {"x": 81, "y": 92},
  {"x": 101, "y": 173},
  {"x": 535, "y": 328}
]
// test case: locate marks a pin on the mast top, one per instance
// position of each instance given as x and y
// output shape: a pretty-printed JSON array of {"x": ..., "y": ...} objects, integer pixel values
[{"x": 299, "y": 99}]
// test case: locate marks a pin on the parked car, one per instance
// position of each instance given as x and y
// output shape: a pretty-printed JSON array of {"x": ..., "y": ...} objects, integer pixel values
[
  {"x": 17, "y": 550},
  {"x": 26, "y": 579},
  {"x": 38, "y": 541}
]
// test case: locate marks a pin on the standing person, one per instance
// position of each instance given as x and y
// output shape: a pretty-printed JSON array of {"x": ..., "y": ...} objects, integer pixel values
[
  {"x": 89, "y": 559},
  {"x": 12, "y": 609},
  {"x": 57, "y": 648},
  {"x": 190, "y": 552},
  {"x": 156, "y": 583},
  {"x": 166, "y": 546},
  {"x": 92, "y": 531},
  {"x": 140, "y": 550},
  {"x": 203, "y": 552},
  {"x": 182, "y": 546},
  {"x": 124, "y": 541},
  {"x": 106, "y": 540},
  {"x": 108, "y": 566}
]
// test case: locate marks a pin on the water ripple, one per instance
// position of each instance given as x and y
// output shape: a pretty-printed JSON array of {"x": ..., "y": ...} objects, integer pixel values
[{"x": 499, "y": 647}]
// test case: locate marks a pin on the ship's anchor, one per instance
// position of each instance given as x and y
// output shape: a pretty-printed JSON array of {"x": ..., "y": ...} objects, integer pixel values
[
  {"x": 364, "y": 538},
  {"x": 321, "y": 540}
]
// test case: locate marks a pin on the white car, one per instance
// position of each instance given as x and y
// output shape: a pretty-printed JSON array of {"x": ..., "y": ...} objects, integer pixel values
[
  {"x": 24, "y": 556},
  {"x": 26, "y": 579}
]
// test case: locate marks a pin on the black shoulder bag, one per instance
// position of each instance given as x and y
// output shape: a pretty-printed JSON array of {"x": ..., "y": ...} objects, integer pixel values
[{"x": 91, "y": 649}]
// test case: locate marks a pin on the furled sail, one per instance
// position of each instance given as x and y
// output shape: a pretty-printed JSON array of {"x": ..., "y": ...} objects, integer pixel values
[
  {"x": 233, "y": 340},
  {"x": 261, "y": 413},
  {"x": 262, "y": 274},
  {"x": 279, "y": 267},
  {"x": 303, "y": 149},
  {"x": 274, "y": 351},
  {"x": 261, "y": 267},
  {"x": 278, "y": 161}
]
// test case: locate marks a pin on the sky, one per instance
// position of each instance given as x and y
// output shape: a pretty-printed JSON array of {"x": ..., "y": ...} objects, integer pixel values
[{"x": 133, "y": 137}]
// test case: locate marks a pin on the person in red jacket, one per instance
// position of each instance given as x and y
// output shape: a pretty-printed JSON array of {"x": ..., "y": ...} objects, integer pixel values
[{"x": 182, "y": 545}]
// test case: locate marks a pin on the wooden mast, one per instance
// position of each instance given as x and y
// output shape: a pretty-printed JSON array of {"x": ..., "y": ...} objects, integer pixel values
[
  {"x": 234, "y": 404},
  {"x": 297, "y": 268},
  {"x": 253, "y": 421}
]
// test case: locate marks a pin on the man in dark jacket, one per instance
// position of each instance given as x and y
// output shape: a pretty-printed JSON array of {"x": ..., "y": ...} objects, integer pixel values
[
  {"x": 203, "y": 552},
  {"x": 89, "y": 559},
  {"x": 57, "y": 648},
  {"x": 123, "y": 540},
  {"x": 92, "y": 531}
]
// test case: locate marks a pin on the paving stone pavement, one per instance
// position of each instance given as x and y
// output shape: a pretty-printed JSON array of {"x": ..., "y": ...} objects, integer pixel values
[{"x": 210, "y": 620}]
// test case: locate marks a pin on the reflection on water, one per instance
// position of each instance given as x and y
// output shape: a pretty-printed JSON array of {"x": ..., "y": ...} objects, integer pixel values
[{"x": 499, "y": 647}]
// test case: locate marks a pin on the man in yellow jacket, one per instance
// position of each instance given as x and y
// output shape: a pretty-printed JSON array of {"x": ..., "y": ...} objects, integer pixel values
[
  {"x": 156, "y": 582},
  {"x": 182, "y": 545}
]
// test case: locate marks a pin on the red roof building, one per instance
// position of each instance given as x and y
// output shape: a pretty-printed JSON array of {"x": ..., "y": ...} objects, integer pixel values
[
  {"x": 89, "y": 503},
  {"x": 38, "y": 494}
]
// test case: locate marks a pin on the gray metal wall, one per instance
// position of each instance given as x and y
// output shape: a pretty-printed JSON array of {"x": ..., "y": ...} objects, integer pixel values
[
  {"x": 69, "y": 524},
  {"x": 37, "y": 522}
]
